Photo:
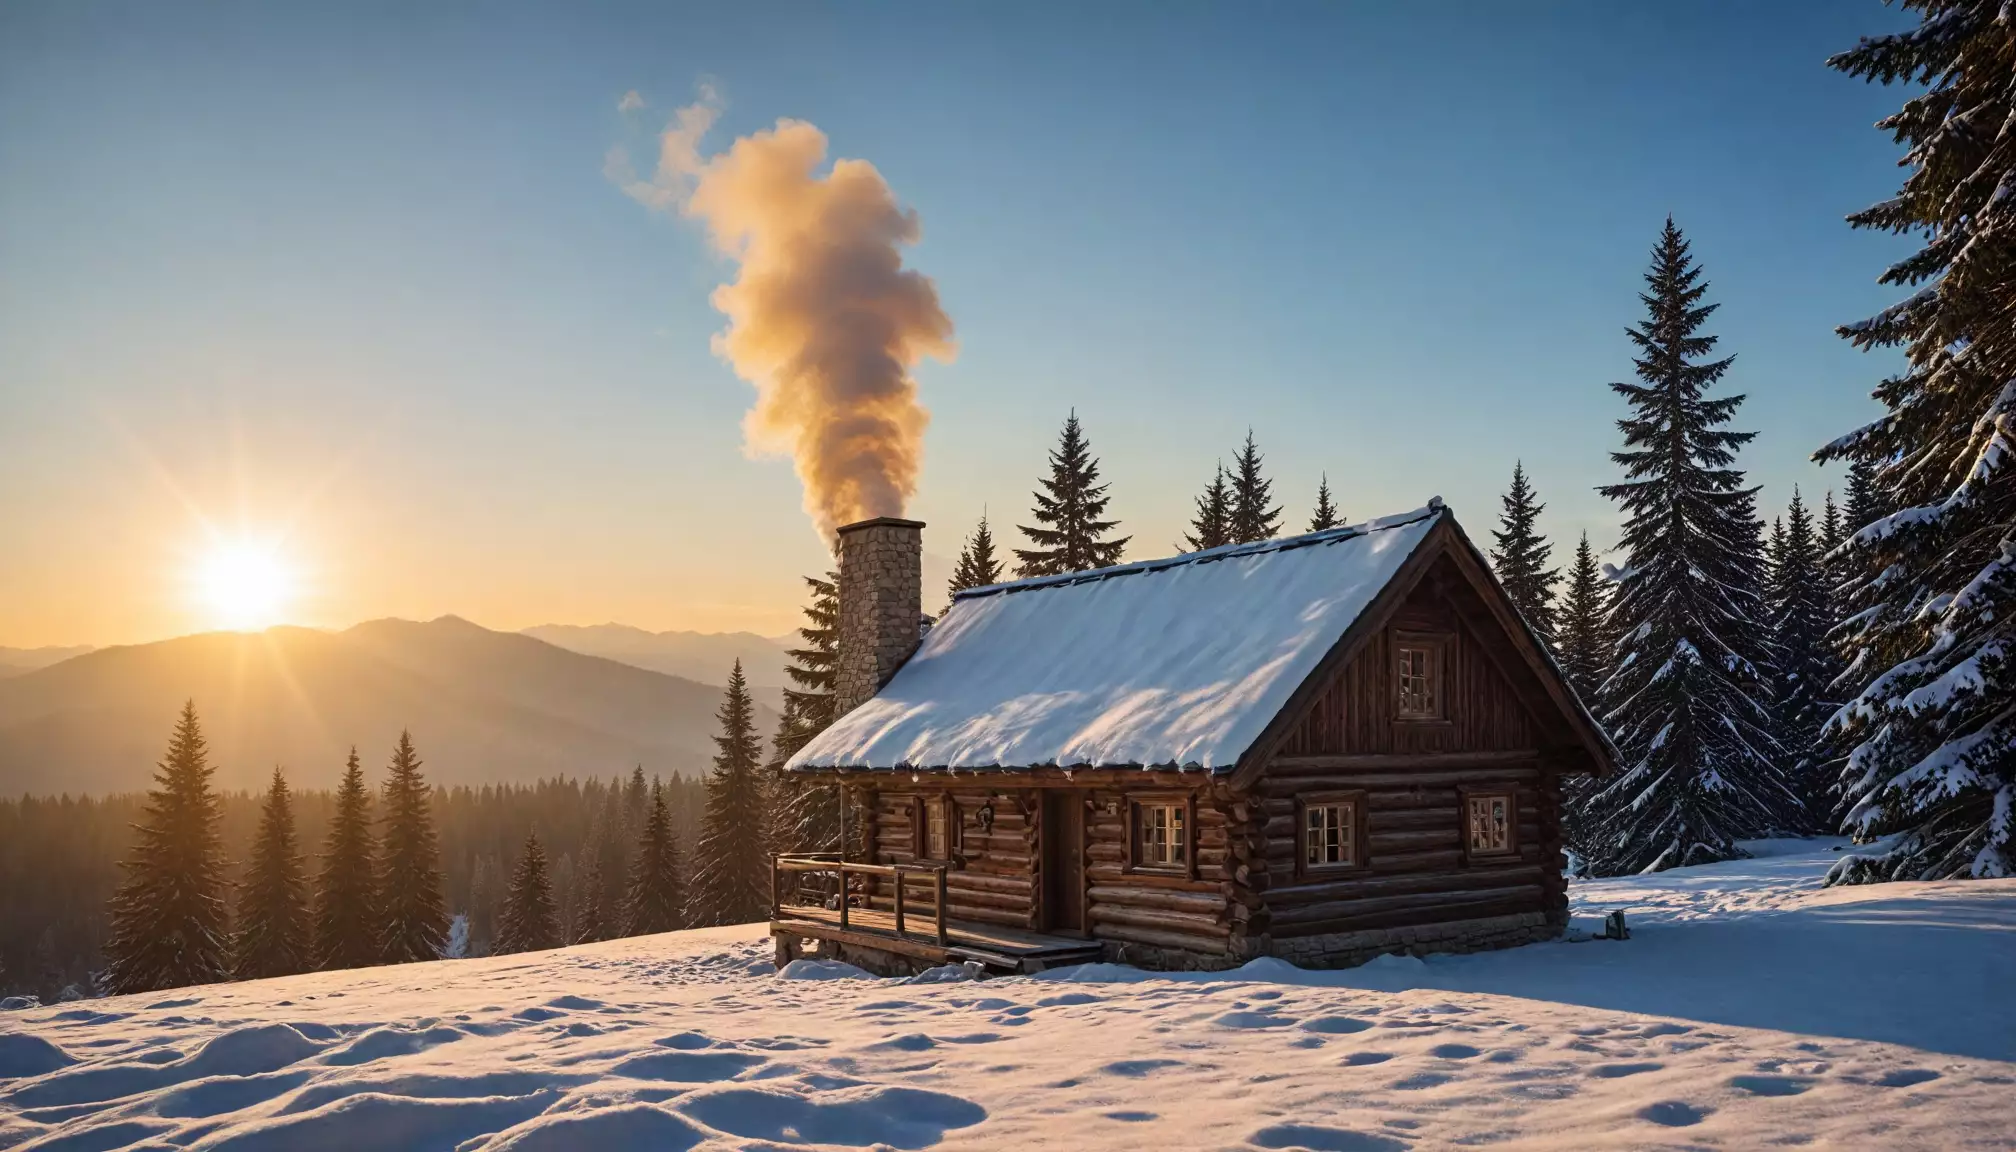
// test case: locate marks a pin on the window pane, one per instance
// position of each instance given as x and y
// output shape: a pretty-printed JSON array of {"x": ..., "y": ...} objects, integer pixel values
[{"x": 1490, "y": 823}]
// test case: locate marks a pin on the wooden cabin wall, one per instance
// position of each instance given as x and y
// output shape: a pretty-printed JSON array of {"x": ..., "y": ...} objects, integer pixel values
[
  {"x": 1355, "y": 715},
  {"x": 995, "y": 883},
  {"x": 999, "y": 879},
  {"x": 1411, "y": 772},
  {"x": 1151, "y": 909},
  {"x": 1415, "y": 871}
]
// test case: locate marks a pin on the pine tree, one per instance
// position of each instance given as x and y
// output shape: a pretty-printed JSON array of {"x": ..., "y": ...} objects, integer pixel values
[
  {"x": 978, "y": 566},
  {"x": 1520, "y": 558},
  {"x": 731, "y": 871},
  {"x": 1586, "y": 640},
  {"x": 530, "y": 922},
  {"x": 168, "y": 917},
  {"x": 805, "y": 818},
  {"x": 1687, "y": 705},
  {"x": 636, "y": 799},
  {"x": 1072, "y": 537},
  {"x": 1800, "y": 613},
  {"x": 656, "y": 899},
  {"x": 593, "y": 917},
  {"x": 1212, "y": 526},
  {"x": 413, "y": 921},
  {"x": 1326, "y": 515},
  {"x": 346, "y": 893},
  {"x": 1864, "y": 506},
  {"x": 1930, "y": 735},
  {"x": 274, "y": 928},
  {"x": 1253, "y": 515}
]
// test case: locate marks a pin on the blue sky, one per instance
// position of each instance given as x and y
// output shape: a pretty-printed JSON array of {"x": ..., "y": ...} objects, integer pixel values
[{"x": 355, "y": 275}]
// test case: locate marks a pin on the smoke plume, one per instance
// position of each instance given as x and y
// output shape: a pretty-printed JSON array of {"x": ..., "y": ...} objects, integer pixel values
[{"x": 823, "y": 319}]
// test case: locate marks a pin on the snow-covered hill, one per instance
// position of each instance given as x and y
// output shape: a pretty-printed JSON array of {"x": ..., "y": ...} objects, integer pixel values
[{"x": 1751, "y": 1008}]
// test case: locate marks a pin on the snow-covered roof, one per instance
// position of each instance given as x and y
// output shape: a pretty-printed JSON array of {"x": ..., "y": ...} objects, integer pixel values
[{"x": 1179, "y": 662}]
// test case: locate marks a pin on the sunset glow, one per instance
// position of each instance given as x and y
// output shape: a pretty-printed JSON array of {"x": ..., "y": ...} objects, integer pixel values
[{"x": 246, "y": 585}]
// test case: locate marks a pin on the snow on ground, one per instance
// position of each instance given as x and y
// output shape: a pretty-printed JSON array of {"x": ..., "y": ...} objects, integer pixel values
[{"x": 1751, "y": 1008}]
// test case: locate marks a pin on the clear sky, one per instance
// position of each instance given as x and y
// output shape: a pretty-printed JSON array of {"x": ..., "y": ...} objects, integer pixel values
[{"x": 351, "y": 276}]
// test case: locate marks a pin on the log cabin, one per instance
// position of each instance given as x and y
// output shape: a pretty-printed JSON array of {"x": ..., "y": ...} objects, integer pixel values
[{"x": 1320, "y": 748}]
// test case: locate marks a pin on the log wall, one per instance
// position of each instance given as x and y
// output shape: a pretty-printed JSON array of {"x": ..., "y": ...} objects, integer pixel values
[{"x": 1356, "y": 713}]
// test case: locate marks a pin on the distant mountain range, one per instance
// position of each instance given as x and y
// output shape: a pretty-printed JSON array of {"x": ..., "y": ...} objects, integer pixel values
[
  {"x": 15, "y": 661},
  {"x": 702, "y": 656},
  {"x": 483, "y": 707}
]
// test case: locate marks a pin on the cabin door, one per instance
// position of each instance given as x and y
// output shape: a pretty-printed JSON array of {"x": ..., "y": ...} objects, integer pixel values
[{"x": 1063, "y": 860}]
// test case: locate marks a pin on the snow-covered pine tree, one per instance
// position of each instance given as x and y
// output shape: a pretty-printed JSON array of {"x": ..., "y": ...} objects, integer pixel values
[
  {"x": 346, "y": 892},
  {"x": 1800, "y": 617},
  {"x": 1071, "y": 536},
  {"x": 1253, "y": 515},
  {"x": 1686, "y": 704},
  {"x": 275, "y": 933},
  {"x": 530, "y": 922},
  {"x": 1326, "y": 515},
  {"x": 731, "y": 870},
  {"x": 1211, "y": 527},
  {"x": 978, "y": 565},
  {"x": 412, "y": 917},
  {"x": 1931, "y": 731},
  {"x": 806, "y": 819},
  {"x": 656, "y": 899},
  {"x": 169, "y": 923},
  {"x": 1520, "y": 559},
  {"x": 1586, "y": 640}
]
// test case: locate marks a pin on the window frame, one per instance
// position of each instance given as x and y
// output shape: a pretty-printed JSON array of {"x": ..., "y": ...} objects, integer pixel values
[
  {"x": 1186, "y": 803},
  {"x": 1470, "y": 795},
  {"x": 1437, "y": 645},
  {"x": 921, "y": 806},
  {"x": 1360, "y": 858}
]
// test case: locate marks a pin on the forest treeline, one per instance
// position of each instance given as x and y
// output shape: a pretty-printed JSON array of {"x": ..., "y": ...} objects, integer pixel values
[
  {"x": 60, "y": 856},
  {"x": 1845, "y": 667}
]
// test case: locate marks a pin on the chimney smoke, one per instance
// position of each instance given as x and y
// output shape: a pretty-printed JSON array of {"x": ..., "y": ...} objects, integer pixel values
[
  {"x": 881, "y": 605},
  {"x": 823, "y": 319}
]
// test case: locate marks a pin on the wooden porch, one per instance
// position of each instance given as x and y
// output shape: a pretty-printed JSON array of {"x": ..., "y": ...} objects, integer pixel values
[{"x": 912, "y": 927}]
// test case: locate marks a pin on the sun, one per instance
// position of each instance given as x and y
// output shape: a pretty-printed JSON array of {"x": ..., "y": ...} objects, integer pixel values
[{"x": 246, "y": 585}]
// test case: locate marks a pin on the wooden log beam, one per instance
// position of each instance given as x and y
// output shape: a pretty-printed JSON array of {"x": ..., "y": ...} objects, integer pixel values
[{"x": 1525, "y": 897}]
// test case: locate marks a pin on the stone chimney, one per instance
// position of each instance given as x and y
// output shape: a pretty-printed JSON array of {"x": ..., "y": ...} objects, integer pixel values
[{"x": 881, "y": 605}]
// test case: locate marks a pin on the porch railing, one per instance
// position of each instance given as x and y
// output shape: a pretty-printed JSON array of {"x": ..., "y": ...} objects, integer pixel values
[{"x": 901, "y": 877}]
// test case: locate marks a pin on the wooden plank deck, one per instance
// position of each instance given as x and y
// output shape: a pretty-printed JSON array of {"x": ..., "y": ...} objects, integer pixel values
[{"x": 995, "y": 945}]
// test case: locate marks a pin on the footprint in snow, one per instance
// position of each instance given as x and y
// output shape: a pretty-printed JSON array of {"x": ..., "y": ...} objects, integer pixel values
[
  {"x": 1251, "y": 1020},
  {"x": 1673, "y": 1114},
  {"x": 1905, "y": 1077},
  {"x": 1421, "y": 1080},
  {"x": 1138, "y": 1068},
  {"x": 1360, "y": 1059},
  {"x": 1320, "y": 1139},
  {"x": 1335, "y": 1025},
  {"x": 1770, "y": 1085},
  {"x": 1616, "y": 1071},
  {"x": 1453, "y": 1051},
  {"x": 687, "y": 1067},
  {"x": 900, "y": 1117}
]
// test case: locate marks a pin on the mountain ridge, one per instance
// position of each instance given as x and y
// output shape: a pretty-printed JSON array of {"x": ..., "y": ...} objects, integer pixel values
[{"x": 483, "y": 706}]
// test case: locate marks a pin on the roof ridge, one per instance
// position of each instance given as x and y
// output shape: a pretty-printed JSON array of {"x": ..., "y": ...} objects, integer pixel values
[{"x": 1433, "y": 508}]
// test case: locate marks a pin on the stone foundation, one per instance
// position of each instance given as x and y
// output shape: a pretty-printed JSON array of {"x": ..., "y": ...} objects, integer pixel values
[{"x": 1350, "y": 949}]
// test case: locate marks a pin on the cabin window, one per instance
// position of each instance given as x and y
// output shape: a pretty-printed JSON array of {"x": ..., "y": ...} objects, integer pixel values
[
  {"x": 1332, "y": 830},
  {"x": 1417, "y": 675},
  {"x": 1489, "y": 822},
  {"x": 1162, "y": 834},
  {"x": 934, "y": 831}
]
